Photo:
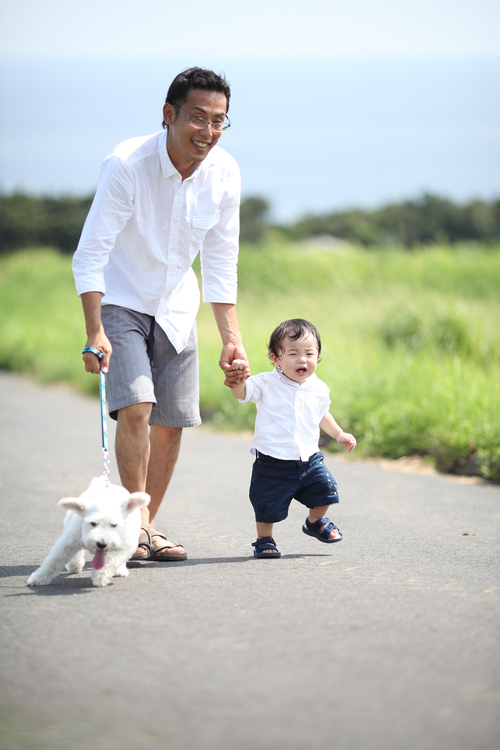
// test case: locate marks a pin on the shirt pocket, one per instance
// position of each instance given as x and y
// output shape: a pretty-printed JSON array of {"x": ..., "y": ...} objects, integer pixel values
[{"x": 200, "y": 226}]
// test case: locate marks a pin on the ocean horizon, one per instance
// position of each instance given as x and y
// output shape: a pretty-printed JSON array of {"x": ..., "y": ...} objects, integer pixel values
[{"x": 310, "y": 135}]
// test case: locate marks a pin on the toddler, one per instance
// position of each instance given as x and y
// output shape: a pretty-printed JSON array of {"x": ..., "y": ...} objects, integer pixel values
[{"x": 292, "y": 405}]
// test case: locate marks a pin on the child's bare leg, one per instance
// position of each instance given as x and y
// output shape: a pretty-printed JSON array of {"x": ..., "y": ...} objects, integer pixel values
[
  {"x": 316, "y": 513},
  {"x": 265, "y": 529}
]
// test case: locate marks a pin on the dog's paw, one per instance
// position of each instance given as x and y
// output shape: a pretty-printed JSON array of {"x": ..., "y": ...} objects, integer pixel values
[
  {"x": 122, "y": 571},
  {"x": 35, "y": 580},
  {"x": 101, "y": 581},
  {"x": 74, "y": 568}
]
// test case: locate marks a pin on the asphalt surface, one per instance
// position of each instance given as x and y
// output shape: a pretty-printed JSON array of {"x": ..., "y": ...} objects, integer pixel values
[{"x": 388, "y": 640}]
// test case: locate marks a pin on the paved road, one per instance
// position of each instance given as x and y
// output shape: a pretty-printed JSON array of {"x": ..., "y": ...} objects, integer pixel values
[{"x": 387, "y": 641}]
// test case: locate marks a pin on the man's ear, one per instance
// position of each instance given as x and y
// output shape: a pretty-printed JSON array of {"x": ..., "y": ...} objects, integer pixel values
[{"x": 168, "y": 113}]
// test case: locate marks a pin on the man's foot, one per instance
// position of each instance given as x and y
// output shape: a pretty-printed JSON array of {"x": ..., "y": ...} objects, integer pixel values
[
  {"x": 162, "y": 550},
  {"x": 143, "y": 551}
]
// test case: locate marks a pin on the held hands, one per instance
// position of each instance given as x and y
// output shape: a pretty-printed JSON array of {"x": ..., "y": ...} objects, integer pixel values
[
  {"x": 241, "y": 371},
  {"x": 234, "y": 364},
  {"x": 346, "y": 439},
  {"x": 242, "y": 367}
]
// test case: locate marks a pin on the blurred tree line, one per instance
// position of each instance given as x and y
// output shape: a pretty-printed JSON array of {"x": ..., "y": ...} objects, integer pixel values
[
  {"x": 427, "y": 220},
  {"x": 27, "y": 220}
]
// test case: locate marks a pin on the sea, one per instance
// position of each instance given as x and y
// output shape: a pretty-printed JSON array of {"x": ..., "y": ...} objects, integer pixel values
[{"x": 311, "y": 135}]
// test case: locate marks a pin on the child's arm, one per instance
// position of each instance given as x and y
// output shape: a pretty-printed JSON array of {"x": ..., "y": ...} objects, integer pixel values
[
  {"x": 240, "y": 390},
  {"x": 330, "y": 426}
]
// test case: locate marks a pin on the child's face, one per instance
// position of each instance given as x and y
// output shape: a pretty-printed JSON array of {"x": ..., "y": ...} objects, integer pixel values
[{"x": 299, "y": 359}]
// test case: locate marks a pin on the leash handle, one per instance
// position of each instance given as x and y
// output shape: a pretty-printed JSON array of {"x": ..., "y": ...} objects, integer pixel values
[
  {"x": 104, "y": 419},
  {"x": 104, "y": 425}
]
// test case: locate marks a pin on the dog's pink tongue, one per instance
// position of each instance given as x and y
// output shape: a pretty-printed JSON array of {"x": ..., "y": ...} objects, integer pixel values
[{"x": 99, "y": 559}]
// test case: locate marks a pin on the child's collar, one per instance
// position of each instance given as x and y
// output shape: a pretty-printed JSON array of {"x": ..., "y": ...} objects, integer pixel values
[{"x": 285, "y": 379}]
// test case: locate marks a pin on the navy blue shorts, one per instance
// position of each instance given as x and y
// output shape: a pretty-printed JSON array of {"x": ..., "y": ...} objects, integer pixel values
[{"x": 275, "y": 483}]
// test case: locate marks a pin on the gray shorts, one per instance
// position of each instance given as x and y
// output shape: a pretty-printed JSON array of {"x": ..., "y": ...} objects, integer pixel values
[{"x": 145, "y": 368}]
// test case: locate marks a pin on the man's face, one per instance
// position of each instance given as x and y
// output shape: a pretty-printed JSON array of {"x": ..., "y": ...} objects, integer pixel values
[{"x": 187, "y": 145}]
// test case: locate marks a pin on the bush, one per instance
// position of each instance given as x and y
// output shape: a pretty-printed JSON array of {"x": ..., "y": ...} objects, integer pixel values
[{"x": 27, "y": 221}]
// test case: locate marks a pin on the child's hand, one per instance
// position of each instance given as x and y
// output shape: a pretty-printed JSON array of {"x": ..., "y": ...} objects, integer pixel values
[
  {"x": 242, "y": 367},
  {"x": 345, "y": 438}
]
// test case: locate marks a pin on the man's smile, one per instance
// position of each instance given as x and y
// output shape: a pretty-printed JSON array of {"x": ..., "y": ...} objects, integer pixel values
[{"x": 187, "y": 144}]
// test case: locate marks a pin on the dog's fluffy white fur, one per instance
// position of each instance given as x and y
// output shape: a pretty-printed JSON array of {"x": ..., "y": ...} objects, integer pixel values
[{"x": 105, "y": 521}]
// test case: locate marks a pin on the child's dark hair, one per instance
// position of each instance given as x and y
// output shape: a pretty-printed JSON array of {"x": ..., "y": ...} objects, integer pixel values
[{"x": 295, "y": 329}]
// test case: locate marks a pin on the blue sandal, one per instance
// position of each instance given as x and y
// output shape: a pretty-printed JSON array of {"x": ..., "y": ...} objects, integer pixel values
[
  {"x": 313, "y": 529},
  {"x": 266, "y": 542}
]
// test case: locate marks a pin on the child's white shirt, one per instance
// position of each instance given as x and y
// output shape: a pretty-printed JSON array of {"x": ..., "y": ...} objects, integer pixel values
[{"x": 288, "y": 414}]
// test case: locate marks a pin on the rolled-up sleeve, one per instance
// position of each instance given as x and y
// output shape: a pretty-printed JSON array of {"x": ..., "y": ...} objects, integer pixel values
[
  {"x": 219, "y": 258},
  {"x": 219, "y": 253},
  {"x": 111, "y": 209},
  {"x": 255, "y": 386}
]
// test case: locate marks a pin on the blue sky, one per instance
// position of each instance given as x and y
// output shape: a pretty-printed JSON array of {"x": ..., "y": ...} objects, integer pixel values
[
  {"x": 335, "y": 104},
  {"x": 237, "y": 27}
]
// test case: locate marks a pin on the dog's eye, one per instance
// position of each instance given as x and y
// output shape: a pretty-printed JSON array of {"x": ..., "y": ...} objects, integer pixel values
[
  {"x": 93, "y": 523},
  {"x": 114, "y": 525}
]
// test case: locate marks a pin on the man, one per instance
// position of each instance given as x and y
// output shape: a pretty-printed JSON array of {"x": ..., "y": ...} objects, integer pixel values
[{"x": 160, "y": 200}]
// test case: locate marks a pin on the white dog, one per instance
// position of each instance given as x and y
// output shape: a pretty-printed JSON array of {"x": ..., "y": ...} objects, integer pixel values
[{"x": 106, "y": 521}]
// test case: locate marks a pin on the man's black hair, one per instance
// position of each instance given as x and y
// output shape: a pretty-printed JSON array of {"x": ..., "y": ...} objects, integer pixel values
[
  {"x": 196, "y": 78},
  {"x": 295, "y": 329}
]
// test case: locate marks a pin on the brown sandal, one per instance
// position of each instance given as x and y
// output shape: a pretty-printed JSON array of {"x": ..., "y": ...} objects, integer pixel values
[
  {"x": 144, "y": 545},
  {"x": 166, "y": 555}
]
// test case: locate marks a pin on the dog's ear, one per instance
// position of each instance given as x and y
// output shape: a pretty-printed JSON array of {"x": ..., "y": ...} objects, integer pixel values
[
  {"x": 136, "y": 500},
  {"x": 76, "y": 504}
]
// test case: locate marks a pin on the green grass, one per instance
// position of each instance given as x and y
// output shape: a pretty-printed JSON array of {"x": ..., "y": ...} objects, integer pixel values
[
  {"x": 42, "y": 328},
  {"x": 411, "y": 341}
]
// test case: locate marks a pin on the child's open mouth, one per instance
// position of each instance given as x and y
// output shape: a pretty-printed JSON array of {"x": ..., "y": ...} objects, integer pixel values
[{"x": 301, "y": 371}]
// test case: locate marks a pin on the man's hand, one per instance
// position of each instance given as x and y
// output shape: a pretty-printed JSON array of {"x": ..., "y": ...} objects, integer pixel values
[
  {"x": 238, "y": 389},
  {"x": 92, "y": 362},
  {"x": 232, "y": 348},
  {"x": 237, "y": 375},
  {"x": 242, "y": 367},
  {"x": 96, "y": 337}
]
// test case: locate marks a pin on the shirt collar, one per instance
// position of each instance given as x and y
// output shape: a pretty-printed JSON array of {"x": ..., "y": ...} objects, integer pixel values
[
  {"x": 167, "y": 168},
  {"x": 287, "y": 381}
]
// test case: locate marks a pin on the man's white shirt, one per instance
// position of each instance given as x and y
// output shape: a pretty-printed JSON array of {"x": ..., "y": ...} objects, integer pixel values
[
  {"x": 146, "y": 226},
  {"x": 288, "y": 414}
]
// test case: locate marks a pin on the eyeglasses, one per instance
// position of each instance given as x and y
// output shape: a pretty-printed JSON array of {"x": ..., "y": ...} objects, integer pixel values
[{"x": 199, "y": 123}]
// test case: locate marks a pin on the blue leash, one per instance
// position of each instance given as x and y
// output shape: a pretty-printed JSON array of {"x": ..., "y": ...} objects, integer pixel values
[{"x": 104, "y": 419}]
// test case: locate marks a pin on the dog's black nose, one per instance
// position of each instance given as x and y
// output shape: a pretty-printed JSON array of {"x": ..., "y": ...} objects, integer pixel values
[{"x": 101, "y": 545}]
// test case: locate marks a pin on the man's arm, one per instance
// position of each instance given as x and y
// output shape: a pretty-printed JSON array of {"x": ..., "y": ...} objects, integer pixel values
[
  {"x": 111, "y": 208},
  {"x": 91, "y": 302},
  {"x": 232, "y": 345}
]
